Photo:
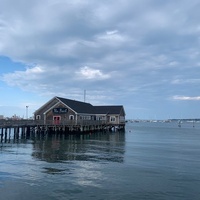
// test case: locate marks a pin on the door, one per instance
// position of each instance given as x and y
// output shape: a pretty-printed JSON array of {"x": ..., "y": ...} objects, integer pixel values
[{"x": 56, "y": 120}]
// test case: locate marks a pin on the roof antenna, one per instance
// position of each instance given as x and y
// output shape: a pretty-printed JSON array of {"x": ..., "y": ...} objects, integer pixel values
[{"x": 84, "y": 95}]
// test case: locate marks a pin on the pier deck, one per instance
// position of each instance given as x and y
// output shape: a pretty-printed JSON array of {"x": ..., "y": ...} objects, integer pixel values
[{"x": 50, "y": 126}]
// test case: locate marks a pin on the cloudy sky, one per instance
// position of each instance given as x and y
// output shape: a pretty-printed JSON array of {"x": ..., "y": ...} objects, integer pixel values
[{"x": 143, "y": 54}]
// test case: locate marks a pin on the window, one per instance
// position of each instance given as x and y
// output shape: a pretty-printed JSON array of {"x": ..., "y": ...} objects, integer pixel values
[
  {"x": 71, "y": 117},
  {"x": 86, "y": 117},
  {"x": 38, "y": 117},
  {"x": 112, "y": 119},
  {"x": 100, "y": 118}
]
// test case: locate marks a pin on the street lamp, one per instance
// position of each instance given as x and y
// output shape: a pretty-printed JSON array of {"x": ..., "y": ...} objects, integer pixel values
[{"x": 26, "y": 112}]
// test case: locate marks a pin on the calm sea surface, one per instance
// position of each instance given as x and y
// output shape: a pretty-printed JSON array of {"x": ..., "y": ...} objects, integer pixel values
[{"x": 154, "y": 161}]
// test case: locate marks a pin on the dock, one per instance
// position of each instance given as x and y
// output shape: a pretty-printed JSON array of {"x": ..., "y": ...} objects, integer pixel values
[{"x": 26, "y": 127}]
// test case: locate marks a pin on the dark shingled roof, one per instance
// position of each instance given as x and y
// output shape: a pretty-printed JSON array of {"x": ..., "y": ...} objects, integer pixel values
[
  {"x": 108, "y": 109},
  {"x": 82, "y": 107},
  {"x": 78, "y": 106}
]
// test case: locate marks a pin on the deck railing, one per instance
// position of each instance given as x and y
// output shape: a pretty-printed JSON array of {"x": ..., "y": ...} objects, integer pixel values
[
  {"x": 63, "y": 122},
  {"x": 21, "y": 122},
  {"x": 50, "y": 122}
]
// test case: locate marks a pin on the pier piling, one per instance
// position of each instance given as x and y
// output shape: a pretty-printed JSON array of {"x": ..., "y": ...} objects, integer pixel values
[{"x": 25, "y": 129}]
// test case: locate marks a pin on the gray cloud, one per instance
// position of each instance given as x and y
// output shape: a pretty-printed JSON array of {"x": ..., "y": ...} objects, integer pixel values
[{"x": 107, "y": 47}]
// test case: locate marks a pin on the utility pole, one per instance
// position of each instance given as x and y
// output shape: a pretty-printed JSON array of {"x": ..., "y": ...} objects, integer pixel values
[
  {"x": 26, "y": 112},
  {"x": 84, "y": 95}
]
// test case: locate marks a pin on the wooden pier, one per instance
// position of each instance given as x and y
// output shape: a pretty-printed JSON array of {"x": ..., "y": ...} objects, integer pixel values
[{"x": 26, "y": 127}]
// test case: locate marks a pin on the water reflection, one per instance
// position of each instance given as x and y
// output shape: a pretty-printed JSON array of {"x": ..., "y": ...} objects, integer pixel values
[
  {"x": 50, "y": 170},
  {"x": 97, "y": 147}
]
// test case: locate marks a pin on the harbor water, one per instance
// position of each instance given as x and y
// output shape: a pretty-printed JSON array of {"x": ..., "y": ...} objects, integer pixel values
[{"x": 154, "y": 161}]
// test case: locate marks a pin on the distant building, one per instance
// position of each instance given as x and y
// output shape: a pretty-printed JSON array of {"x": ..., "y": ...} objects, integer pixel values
[
  {"x": 1, "y": 117},
  {"x": 57, "y": 110}
]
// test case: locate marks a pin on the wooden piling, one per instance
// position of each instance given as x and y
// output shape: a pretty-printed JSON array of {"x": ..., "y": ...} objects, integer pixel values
[
  {"x": 1, "y": 134},
  {"x": 26, "y": 128}
]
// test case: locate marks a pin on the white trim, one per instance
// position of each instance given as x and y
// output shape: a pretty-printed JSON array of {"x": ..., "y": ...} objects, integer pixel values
[
  {"x": 44, "y": 118},
  {"x": 71, "y": 117},
  {"x": 51, "y": 108},
  {"x": 88, "y": 114},
  {"x": 45, "y": 104},
  {"x": 38, "y": 117}
]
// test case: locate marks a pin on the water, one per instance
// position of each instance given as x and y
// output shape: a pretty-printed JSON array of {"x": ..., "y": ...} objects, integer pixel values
[{"x": 154, "y": 161}]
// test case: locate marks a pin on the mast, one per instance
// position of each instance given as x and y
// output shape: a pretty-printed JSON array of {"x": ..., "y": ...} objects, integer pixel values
[{"x": 84, "y": 95}]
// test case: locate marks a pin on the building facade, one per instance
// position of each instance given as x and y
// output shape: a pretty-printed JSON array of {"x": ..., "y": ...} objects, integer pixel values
[{"x": 66, "y": 111}]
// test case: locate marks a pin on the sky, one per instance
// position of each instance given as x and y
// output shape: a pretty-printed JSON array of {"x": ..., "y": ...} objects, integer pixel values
[{"x": 142, "y": 54}]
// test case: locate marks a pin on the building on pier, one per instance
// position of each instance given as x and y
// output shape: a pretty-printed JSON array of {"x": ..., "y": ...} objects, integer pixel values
[
  {"x": 62, "y": 111},
  {"x": 60, "y": 115}
]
